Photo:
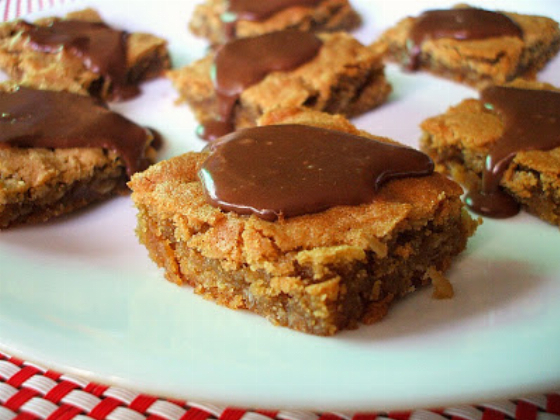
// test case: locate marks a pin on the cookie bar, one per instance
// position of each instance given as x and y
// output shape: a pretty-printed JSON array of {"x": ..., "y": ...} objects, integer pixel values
[
  {"x": 31, "y": 55},
  {"x": 325, "y": 16},
  {"x": 474, "y": 135},
  {"x": 317, "y": 272},
  {"x": 494, "y": 54},
  {"x": 344, "y": 77},
  {"x": 54, "y": 161}
]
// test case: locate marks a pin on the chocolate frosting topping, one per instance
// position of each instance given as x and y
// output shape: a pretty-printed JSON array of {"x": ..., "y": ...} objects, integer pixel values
[
  {"x": 49, "y": 119},
  {"x": 242, "y": 63},
  {"x": 101, "y": 48},
  {"x": 291, "y": 170},
  {"x": 460, "y": 24},
  {"x": 531, "y": 122}
]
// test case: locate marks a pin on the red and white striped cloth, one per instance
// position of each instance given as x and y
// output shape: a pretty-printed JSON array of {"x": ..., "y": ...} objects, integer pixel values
[
  {"x": 30, "y": 392},
  {"x": 12, "y": 9}
]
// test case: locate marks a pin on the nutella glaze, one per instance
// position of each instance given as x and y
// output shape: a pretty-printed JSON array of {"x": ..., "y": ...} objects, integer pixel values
[
  {"x": 531, "y": 121},
  {"x": 244, "y": 62},
  {"x": 50, "y": 119},
  {"x": 257, "y": 11},
  {"x": 460, "y": 24},
  {"x": 101, "y": 49},
  {"x": 282, "y": 171}
]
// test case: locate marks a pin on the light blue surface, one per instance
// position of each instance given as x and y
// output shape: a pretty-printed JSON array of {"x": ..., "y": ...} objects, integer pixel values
[{"x": 81, "y": 295}]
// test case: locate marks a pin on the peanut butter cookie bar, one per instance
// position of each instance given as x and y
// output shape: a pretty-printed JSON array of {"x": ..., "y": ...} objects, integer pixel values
[
  {"x": 235, "y": 86},
  {"x": 504, "y": 147},
  {"x": 474, "y": 46},
  {"x": 61, "y": 151},
  {"x": 307, "y": 261},
  {"x": 80, "y": 54},
  {"x": 222, "y": 20}
]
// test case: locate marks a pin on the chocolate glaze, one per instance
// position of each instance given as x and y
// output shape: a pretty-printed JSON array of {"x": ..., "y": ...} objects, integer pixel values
[
  {"x": 257, "y": 11},
  {"x": 241, "y": 63},
  {"x": 101, "y": 48},
  {"x": 282, "y": 171},
  {"x": 531, "y": 121},
  {"x": 49, "y": 119},
  {"x": 460, "y": 24}
]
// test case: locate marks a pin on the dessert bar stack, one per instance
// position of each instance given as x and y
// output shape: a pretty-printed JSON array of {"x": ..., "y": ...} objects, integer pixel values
[
  {"x": 342, "y": 76},
  {"x": 61, "y": 148},
  {"x": 503, "y": 146},
  {"x": 290, "y": 211},
  {"x": 319, "y": 264}
]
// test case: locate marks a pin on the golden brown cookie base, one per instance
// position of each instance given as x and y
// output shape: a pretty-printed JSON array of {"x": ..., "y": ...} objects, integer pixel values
[
  {"x": 318, "y": 273},
  {"x": 328, "y": 16},
  {"x": 459, "y": 141},
  {"x": 147, "y": 58},
  {"x": 344, "y": 78},
  {"x": 314, "y": 313},
  {"x": 38, "y": 184},
  {"x": 480, "y": 62}
]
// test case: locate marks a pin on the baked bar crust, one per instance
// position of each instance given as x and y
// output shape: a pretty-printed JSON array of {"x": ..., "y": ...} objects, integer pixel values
[
  {"x": 328, "y": 16},
  {"x": 460, "y": 139},
  {"x": 317, "y": 273},
  {"x": 147, "y": 58},
  {"x": 344, "y": 78},
  {"x": 37, "y": 184},
  {"x": 480, "y": 62}
]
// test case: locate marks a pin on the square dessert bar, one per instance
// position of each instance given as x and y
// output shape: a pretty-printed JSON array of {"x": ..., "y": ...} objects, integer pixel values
[
  {"x": 146, "y": 57},
  {"x": 39, "y": 183},
  {"x": 478, "y": 62},
  {"x": 317, "y": 273},
  {"x": 327, "y": 16},
  {"x": 344, "y": 77},
  {"x": 460, "y": 140}
]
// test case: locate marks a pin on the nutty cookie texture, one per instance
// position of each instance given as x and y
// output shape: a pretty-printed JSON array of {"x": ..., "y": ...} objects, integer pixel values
[
  {"x": 318, "y": 273},
  {"x": 516, "y": 136},
  {"x": 473, "y": 46},
  {"x": 61, "y": 151},
  {"x": 344, "y": 77},
  {"x": 51, "y": 54},
  {"x": 220, "y": 21}
]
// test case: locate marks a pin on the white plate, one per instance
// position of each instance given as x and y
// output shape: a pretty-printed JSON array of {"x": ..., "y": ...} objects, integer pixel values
[{"x": 80, "y": 295}]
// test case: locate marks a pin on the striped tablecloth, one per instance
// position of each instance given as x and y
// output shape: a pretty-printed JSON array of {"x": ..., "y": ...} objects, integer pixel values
[
  {"x": 12, "y": 9},
  {"x": 30, "y": 392}
]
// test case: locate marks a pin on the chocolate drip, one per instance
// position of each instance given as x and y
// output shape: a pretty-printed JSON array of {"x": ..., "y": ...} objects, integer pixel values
[
  {"x": 282, "y": 171},
  {"x": 460, "y": 24},
  {"x": 244, "y": 62},
  {"x": 257, "y": 11},
  {"x": 49, "y": 119},
  {"x": 101, "y": 48},
  {"x": 531, "y": 121}
]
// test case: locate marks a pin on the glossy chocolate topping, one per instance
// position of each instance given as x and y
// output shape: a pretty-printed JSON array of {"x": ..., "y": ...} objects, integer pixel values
[
  {"x": 531, "y": 121},
  {"x": 242, "y": 63},
  {"x": 101, "y": 48},
  {"x": 291, "y": 170},
  {"x": 460, "y": 24},
  {"x": 257, "y": 11},
  {"x": 49, "y": 119}
]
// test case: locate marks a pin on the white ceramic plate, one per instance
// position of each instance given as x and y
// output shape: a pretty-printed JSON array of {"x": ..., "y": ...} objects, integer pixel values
[{"x": 80, "y": 295}]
